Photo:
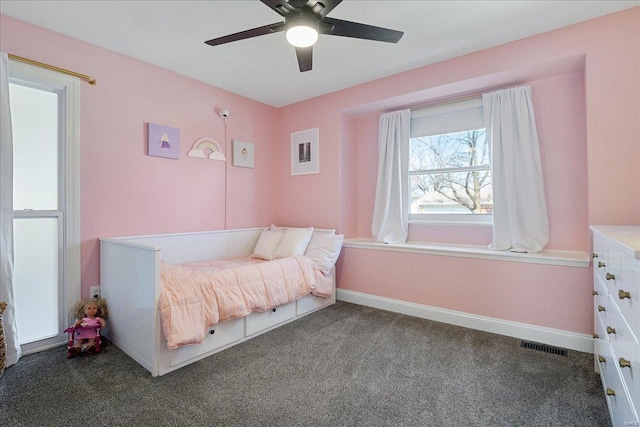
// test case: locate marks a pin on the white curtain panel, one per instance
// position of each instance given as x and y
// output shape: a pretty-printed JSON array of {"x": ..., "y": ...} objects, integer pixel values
[
  {"x": 6, "y": 216},
  {"x": 391, "y": 210},
  {"x": 520, "y": 222}
]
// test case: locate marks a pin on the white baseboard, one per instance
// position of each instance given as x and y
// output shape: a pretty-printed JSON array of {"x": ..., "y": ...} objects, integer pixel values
[{"x": 539, "y": 334}]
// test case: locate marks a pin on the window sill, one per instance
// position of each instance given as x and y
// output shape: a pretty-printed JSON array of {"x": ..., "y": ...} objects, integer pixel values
[
  {"x": 548, "y": 257},
  {"x": 453, "y": 222}
]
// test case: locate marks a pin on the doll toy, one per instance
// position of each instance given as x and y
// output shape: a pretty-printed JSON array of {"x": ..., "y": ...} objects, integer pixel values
[{"x": 85, "y": 332}]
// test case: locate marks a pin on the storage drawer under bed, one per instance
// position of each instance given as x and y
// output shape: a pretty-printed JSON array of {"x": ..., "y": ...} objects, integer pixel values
[
  {"x": 224, "y": 333},
  {"x": 257, "y": 322},
  {"x": 309, "y": 303}
]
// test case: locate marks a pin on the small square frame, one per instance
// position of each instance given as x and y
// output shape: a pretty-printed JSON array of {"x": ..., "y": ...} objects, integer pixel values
[
  {"x": 163, "y": 141},
  {"x": 243, "y": 154}
]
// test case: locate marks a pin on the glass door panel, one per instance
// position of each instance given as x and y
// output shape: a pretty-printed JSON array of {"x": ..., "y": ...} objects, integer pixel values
[
  {"x": 36, "y": 278},
  {"x": 34, "y": 117}
]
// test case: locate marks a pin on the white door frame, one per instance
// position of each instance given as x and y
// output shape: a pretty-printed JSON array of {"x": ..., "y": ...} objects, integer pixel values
[{"x": 69, "y": 171}]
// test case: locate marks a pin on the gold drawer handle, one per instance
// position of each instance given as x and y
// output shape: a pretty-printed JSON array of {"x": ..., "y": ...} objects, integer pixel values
[
  {"x": 624, "y": 294},
  {"x": 624, "y": 363},
  {"x": 594, "y": 293},
  {"x": 596, "y": 336},
  {"x": 611, "y": 276},
  {"x": 611, "y": 330},
  {"x": 601, "y": 308},
  {"x": 602, "y": 359},
  {"x": 600, "y": 264},
  {"x": 610, "y": 392},
  {"x": 594, "y": 255}
]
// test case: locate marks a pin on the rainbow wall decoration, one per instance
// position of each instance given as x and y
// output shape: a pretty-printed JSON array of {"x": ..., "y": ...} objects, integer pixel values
[{"x": 200, "y": 145}]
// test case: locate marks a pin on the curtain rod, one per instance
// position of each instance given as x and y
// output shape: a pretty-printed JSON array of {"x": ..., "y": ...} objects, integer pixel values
[
  {"x": 84, "y": 77},
  {"x": 440, "y": 102}
]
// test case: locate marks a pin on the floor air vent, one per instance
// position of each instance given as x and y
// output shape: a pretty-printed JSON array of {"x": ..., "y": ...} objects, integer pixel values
[{"x": 544, "y": 347}]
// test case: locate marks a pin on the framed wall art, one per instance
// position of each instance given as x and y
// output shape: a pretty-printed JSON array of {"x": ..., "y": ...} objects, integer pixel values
[
  {"x": 163, "y": 141},
  {"x": 305, "y": 152},
  {"x": 243, "y": 154}
]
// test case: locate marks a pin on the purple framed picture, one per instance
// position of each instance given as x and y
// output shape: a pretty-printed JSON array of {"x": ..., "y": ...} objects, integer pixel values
[{"x": 163, "y": 141}]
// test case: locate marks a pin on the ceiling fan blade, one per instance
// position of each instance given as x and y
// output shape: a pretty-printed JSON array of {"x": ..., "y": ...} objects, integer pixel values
[
  {"x": 359, "y": 31},
  {"x": 281, "y": 7},
  {"x": 305, "y": 58},
  {"x": 254, "y": 32}
]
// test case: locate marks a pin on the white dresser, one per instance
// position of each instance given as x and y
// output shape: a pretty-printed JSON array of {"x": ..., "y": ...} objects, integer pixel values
[{"x": 616, "y": 280}]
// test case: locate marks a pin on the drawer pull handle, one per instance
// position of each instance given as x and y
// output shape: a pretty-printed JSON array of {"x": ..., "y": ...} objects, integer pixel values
[
  {"x": 611, "y": 330},
  {"x": 594, "y": 255},
  {"x": 624, "y": 363},
  {"x": 610, "y": 392},
  {"x": 596, "y": 336},
  {"x": 611, "y": 276},
  {"x": 602, "y": 359},
  {"x": 601, "y": 264},
  {"x": 601, "y": 308},
  {"x": 594, "y": 293},
  {"x": 624, "y": 294}
]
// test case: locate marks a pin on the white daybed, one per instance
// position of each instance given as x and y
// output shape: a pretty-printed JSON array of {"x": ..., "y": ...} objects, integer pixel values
[{"x": 130, "y": 282}]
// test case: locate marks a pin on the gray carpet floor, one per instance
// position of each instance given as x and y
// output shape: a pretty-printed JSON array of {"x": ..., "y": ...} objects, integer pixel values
[{"x": 346, "y": 365}]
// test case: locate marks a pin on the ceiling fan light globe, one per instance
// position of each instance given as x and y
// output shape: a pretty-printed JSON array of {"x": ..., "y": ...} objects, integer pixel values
[{"x": 302, "y": 36}]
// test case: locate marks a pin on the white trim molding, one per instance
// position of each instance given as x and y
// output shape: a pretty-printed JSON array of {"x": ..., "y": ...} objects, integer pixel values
[
  {"x": 546, "y": 256},
  {"x": 539, "y": 334}
]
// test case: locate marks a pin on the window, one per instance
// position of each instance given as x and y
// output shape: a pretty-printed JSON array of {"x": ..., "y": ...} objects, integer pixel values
[{"x": 449, "y": 164}]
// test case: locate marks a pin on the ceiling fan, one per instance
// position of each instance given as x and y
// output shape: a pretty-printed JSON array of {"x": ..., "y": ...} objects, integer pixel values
[{"x": 303, "y": 21}]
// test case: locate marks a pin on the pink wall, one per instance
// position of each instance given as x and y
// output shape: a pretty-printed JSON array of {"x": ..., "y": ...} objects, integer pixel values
[
  {"x": 561, "y": 131},
  {"x": 124, "y": 191},
  {"x": 587, "y": 96},
  {"x": 606, "y": 49},
  {"x": 525, "y": 293},
  {"x": 554, "y": 297}
]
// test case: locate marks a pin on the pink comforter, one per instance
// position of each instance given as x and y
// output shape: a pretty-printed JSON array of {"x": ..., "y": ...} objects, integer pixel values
[{"x": 196, "y": 296}]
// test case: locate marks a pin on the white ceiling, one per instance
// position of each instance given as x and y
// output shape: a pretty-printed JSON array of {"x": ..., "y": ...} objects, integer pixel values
[{"x": 171, "y": 34}]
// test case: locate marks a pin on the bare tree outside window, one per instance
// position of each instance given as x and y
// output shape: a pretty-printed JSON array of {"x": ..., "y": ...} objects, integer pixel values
[{"x": 451, "y": 173}]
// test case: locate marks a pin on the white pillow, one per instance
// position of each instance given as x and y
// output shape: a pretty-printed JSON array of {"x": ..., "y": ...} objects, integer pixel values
[
  {"x": 324, "y": 250},
  {"x": 267, "y": 245},
  {"x": 294, "y": 242}
]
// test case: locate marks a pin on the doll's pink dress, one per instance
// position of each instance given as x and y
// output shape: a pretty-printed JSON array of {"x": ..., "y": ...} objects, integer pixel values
[{"x": 88, "y": 331}]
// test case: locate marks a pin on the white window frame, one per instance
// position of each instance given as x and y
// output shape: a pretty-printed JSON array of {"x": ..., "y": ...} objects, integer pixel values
[
  {"x": 69, "y": 87},
  {"x": 449, "y": 114}
]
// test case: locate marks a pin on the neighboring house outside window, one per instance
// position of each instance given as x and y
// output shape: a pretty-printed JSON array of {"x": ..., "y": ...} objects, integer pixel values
[{"x": 449, "y": 164}]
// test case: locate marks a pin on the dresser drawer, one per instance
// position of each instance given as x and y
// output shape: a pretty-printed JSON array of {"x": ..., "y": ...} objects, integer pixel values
[
  {"x": 627, "y": 295},
  {"x": 600, "y": 268},
  {"x": 622, "y": 414},
  {"x": 600, "y": 249},
  {"x": 601, "y": 300},
  {"x": 605, "y": 362},
  {"x": 611, "y": 281},
  {"x": 627, "y": 360},
  {"x": 617, "y": 328},
  {"x": 601, "y": 321}
]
